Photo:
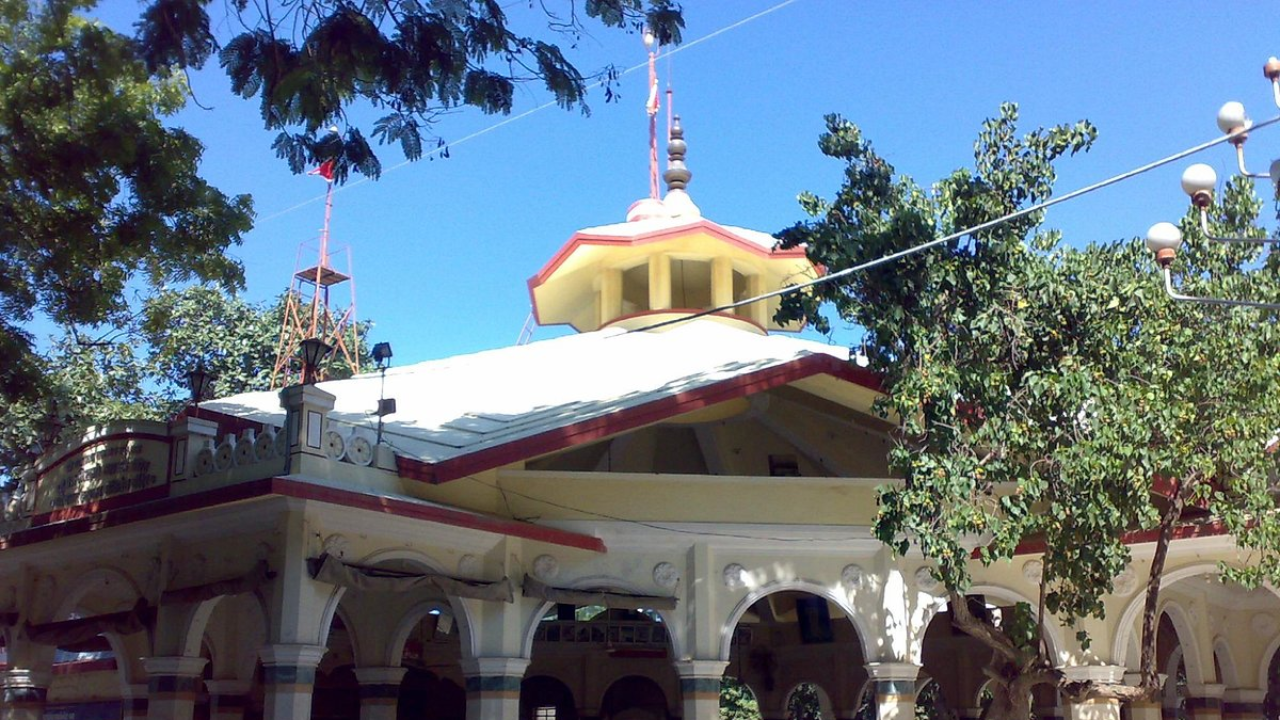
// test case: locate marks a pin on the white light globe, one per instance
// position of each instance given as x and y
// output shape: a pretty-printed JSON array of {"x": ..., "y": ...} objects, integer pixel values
[
  {"x": 1275, "y": 172},
  {"x": 1231, "y": 116},
  {"x": 1198, "y": 178},
  {"x": 1164, "y": 236}
]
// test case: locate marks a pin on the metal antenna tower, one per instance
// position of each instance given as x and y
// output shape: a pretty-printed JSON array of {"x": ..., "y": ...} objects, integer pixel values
[{"x": 307, "y": 309}]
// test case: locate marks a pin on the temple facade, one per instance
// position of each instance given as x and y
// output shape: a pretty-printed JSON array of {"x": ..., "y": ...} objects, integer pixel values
[{"x": 603, "y": 526}]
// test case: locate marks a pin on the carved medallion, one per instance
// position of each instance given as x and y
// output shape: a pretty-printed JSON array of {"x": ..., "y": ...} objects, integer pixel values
[{"x": 666, "y": 575}]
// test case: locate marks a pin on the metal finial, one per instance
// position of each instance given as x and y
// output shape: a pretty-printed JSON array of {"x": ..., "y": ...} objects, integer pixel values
[{"x": 677, "y": 175}]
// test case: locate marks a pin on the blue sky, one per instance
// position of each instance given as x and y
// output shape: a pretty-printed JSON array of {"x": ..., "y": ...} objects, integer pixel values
[{"x": 442, "y": 249}]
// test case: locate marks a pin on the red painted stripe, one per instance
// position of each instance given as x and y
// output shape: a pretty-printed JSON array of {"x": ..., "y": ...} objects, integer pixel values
[
  {"x": 83, "y": 519},
  {"x": 634, "y": 417},
  {"x": 108, "y": 503},
  {"x": 1215, "y": 528}
]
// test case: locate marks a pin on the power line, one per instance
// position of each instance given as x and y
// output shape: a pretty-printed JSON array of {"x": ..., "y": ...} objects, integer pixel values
[
  {"x": 957, "y": 235},
  {"x": 550, "y": 103}
]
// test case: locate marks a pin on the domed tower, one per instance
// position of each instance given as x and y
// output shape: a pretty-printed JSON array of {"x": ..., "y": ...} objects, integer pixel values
[{"x": 666, "y": 261}]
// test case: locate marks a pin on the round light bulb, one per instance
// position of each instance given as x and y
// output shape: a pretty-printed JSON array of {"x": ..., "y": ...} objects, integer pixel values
[
  {"x": 1275, "y": 173},
  {"x": 649, "y": 39},
  {"x": 1164, "y": 236},
  {"x": 1232, "y": 116},
  {"x": 1199, "y": 178}
]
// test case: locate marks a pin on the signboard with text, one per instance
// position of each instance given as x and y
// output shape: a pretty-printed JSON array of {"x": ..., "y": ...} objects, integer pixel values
[{"x": 115, "y": 460}]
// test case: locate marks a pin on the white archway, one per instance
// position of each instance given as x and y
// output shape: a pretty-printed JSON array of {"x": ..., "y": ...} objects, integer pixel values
[
  {"x": 461, "y": 613},
  {"x": 836, "y": 596},
  {"x": 1187, "y": 642},
  {"x": 1051, "y": 629},
  {"x": 85, "y": 583},
  {"x": 1129, "y": 618},
  {"x": 1226, "y": 663},
  {"x": 1264, "y": 672},
  {"x": 594, "y": 582}
]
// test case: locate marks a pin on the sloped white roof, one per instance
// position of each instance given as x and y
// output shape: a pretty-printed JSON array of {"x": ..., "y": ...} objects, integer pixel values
[
  {"x": 637, "y": 228},
  {"x": 459, "y": 405}
]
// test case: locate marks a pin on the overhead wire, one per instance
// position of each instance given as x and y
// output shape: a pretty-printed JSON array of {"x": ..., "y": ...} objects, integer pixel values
[
  {"x": 960, "y": 234},
  {"x": 445, "y": 147}
]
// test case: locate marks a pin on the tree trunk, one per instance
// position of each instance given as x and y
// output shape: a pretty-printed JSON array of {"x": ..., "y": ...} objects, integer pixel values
[{"x": 1009, "y": 700}]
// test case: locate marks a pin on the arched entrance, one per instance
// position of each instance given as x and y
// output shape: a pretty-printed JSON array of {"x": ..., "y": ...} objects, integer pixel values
[
  {"x": 791, "y": 639},
  {"x": 594, "y": 662}
]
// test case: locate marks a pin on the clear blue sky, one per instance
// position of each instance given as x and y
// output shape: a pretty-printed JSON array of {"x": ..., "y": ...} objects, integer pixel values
[{"x": 442, "y": 249}]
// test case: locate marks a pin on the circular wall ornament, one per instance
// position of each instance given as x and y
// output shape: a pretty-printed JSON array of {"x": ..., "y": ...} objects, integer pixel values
[
  {"x": 335, "y": 446},
  {"x": 1263, "y": 625},
  {"x": 264, "y": 446},
  {"x": 853, "y": 576},
  {"x": 469, "y": 566},
  {"x": 666, "y": 575},
  {"x": 735, "y": 576},
  {"x": 225, "y": 456},
  {"x": 1125, "y": 583},
  {"x": 546, "y": 567},
  {"x": 1033, "y": 571},
  {"x": 337, "y": 545},
  {"x": 925, "y": 580},
  {"x": 360, "y": 450}
]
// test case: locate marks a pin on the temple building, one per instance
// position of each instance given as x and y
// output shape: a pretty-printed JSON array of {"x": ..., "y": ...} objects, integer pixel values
[{"x": 602, "y": 526}]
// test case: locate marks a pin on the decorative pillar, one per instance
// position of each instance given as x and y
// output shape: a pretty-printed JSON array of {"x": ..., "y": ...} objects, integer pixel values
[
  {"x": 24, "y": 693},
  {"x": 1097, "y": 708},
  {"x": 380, "y": 691},
  {"x": 1243, "y": 704},
  {"x": 610, "y": 295},
  {"x": 493, "y": 687},
  {"x": 659, "y": 282},
  {"x": 172, "y": 685},
  {"x": 306, "y": 409},
  {"x": 721, "y": 281},
  {"x": 700, "y": 687},
  {"x": 757, "y": 311},
  {"x": 288, "y": 676},
  {"x": 895, "y": 686},
  {"x": 1204, "y": 702},
  {"x": 133, "y": 702},
  {"x": 227, "y": 698},
  {"x": 187, "y": 437}
]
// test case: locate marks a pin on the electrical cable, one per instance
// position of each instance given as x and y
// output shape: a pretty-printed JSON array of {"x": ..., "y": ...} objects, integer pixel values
[
  {"x": 957, "y": 235},
  {"x": 550, "y": 103}
]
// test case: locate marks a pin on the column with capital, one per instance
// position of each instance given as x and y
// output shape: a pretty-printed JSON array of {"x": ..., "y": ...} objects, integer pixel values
[
  {"x": 172, "y": 686},
  {"x": 288, "y": 677},
  {"x": 895, "y": 688},
  {"x": 1204, "y": 701},
  {"x": 1243, "y": 704},
  {"x": 1096, "y": 708},
  {"x": 700, "y": 688},
  {"x": 493, "y": 687},
  {"x": 379, "y": 691},
  {"x": 25, "y": 692},
  {"x": 227, "y": 698}
]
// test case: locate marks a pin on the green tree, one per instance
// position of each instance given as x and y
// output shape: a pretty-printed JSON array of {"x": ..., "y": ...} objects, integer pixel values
[
  {"x": 737, "y": 702},
  {"x": 409, "y": 61},
  {"x": 95, "y": 190},
  {"x": 1045, "y": 394}
]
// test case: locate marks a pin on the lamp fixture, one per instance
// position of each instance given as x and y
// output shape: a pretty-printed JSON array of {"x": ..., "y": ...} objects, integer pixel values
[
  {"x": 314, "y": 352},
  {"x": 382, "y": 355},
  {"x": 1198, "y": 182},
  {"x": 199, "y": 383}
]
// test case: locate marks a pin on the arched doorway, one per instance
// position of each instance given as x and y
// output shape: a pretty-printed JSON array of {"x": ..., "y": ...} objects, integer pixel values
[
  {"x": 792, "y": 639},
  {"x": 432, "y": 687},
  {"x": 590, "y": 650}
]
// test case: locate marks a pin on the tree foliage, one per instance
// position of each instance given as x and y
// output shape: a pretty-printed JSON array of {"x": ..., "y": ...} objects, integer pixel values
[
  {"x": 309, "y": 63},
  {"x": 1048, "y": 397},
  {"x": 140, "y": 370},
  {"x": 95, "y": 190}
]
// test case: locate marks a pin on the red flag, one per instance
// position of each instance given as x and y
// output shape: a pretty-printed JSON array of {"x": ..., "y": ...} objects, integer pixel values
[{"x": 325, "y": 170}]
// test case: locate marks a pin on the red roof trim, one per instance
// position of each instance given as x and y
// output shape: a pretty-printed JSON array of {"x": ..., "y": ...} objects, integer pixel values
[
  {"x": 88, "y": 518},
  {"x": 631, "y": 418},
  {"x": 1182, "y": 532},
  {"x": 579, "y": 239}
]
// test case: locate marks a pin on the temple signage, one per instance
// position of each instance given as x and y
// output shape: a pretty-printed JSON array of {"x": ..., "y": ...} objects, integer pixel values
[{"x": 110, "y": 465}]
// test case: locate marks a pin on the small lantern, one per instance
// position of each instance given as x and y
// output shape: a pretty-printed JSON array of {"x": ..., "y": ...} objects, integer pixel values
[
  {"x": 199, "y": 383},
  {"x": 314, "y": 352},
  {"x": 382, "y": 355}
]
